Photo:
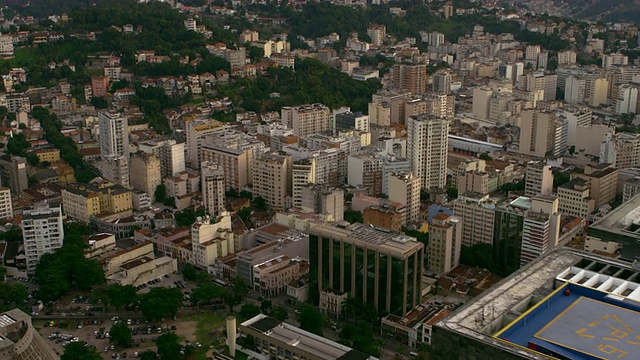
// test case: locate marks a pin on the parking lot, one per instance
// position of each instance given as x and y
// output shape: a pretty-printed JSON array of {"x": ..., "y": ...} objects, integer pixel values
[{"x": 95, "y": 333}]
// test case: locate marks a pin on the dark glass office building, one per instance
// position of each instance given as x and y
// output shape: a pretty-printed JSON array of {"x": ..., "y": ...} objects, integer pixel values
[{"x": 381, "y": 267}]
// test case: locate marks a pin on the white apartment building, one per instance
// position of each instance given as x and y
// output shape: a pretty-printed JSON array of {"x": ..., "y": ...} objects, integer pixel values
[
  {"x": 145, "y": 173},
  {"x": 237, "y": 164},
  {"x": 365, "y": 171},
  {"x": 405, "y": 189},
  {"x": 169, "y": 152},
  {"x": 42, "y": 232},
  {"x": 323, "y": 200},
  {"x": 627, "y": 101},
  {"x": 6, "y": 207},
  {"x": 306, "y": 119},
  {"x": 196, "y": 130},
  {"x": 575, "y": 88},
  {"x": 445, "y": 243},
  {"x": 622, "y": 150},
  {"x": 6, "y": 46},
  {"x": 377, "y": 34},
  {"x": 114, "y": 133},
  {"x": 541, "y": 228},
  {"x": 427, "y": 146},
  {"x": 212, "y": 238},
  {"x": 271, "y": 179},
  {"x": 212, "y": 183},
  {"x": 574, "y": 198},
  {"x": 477, "y": 213},
  {"x": 538, "y": 179}
]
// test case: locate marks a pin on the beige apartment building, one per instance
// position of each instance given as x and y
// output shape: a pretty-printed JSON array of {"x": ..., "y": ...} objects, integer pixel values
[
  {"x": 410, "y": 77},
  {"x": 306, "y": 119},
  {"x": 474, "y": 181},
  {"x": 603, "y": 179},
  {"x": 6, "y": 206},
  {"x": 445, "y": 243},
  {"x": 236, "y": 164},
  {"x": 537, "y": 133},
  {"x": 212, "y": 185},
  {"x": 271, "y": 179},
  {"x": 538, "y": 179},
  {"x": 272, "y": 276},
  {"x": 477, "y": 213},
  {"x": 574, "y": 198},
  {"x": 427, "y": 146},
  {"x": 404, "y": 188},
  {"x": 81, "y": 201},
  {"x": 145, "y": 173}
]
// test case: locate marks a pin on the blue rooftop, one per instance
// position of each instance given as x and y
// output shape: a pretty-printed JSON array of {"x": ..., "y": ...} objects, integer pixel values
[{"x": 579, "y": 323}]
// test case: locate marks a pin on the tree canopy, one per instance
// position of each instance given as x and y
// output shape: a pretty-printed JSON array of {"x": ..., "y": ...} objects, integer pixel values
[
  {"x": 78, "y": 351},
  {"x": 310, "y": 318},
  {"x": 160, "y": 302},
  {"x": 120, "y": 335}
]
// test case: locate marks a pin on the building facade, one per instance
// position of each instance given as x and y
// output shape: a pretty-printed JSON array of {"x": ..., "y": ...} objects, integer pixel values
[
  {"x": 445, "y": 243},
  {"x": 405, "y": 189},
  {"x": 145, "y": 173},
  {"x": 42, "y": 232},
  {"x": 213, "y": 189},
  {"x": 427, "y": 146},
  {"x": 271, "y": 179}
]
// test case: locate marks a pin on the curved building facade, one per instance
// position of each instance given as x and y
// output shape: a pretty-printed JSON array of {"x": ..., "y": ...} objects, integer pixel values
[{"x": 19, "y": 340}]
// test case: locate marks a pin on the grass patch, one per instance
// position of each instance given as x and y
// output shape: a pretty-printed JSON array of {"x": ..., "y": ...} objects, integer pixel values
[
  {"x": 205, "y": 324},
  {"x": 239, "y": 354}
]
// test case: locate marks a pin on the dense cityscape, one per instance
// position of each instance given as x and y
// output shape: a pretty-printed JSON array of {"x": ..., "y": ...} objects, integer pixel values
[{"x": 319, "y": 180}]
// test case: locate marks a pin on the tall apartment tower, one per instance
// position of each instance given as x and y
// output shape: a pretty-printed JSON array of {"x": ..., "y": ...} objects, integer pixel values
[
  {"x": 6, "y": 206},
  {"x": 196, "y": 130},
  {"x": 365, "y": 171},
  {"x": 442, "y": 82},
  {"x": 169, "y": 152},
  {"x": 537, "y": 133},
  {"x": 377, "y": 34},
  {"x": 272, "y": 179},
  {"x": 541, "y": 228},
  {"x": 427, "y": 145},
  {"x": 445, "y": 243},
  {"x": 145, "y": 173},
  {"x": 405, "y": 189},
  {"x": 482, "y": 102},
  {"x": 212, "y": 183},
  {"x": 410, "y": 77},
  {"x": 324, "y": 200},
  {"x": 538, "y": 179},
  {"x": 13, "y": 173},
  {"x": 42, "y": 232},
  {"x": 21, "y": 340},
  {"x": 114, "y": 133},
  {"x": 307, "y": 119},
  {"x": 381, "y": 268}
]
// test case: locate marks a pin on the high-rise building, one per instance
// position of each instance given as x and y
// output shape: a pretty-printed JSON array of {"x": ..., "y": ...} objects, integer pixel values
[
  {"x": 482, "y": 102},
  {"x": 445, "y": 243},
  {"x": 410, "y": 77},
  {"x": 576, "y": 117},
  {"x": 115, "y": 168},
  {"x": 567, "y": 57},
  {"x": 21, "y": 340},
  {"x": 531, "y": 53},
  {"x": 381, "y": 268},
  {"x": 6, "y": 206},
  {"x": 442, "y": 82},
  {"x": 541, "y": 228},
  {"x": 99, "y": 86},
  {"x": 441, "y": 106},
  {"x": 543, "y": 59},
  {"x": 427, "y": 146},
  {"x": 538, "y": 179},
  {"x": 627, "y": 101},
  {"x": 388, "y": 107},
  {"x": 352, "y": 121},
  {"x": 609, "y": 60},
  {"x": 196, "y": 131},
  {"x": 169, "y": 152},
  {"x": 603, "y": 180},
  {"x": 600, "y": 92},
  {"x": 212, "y": 238},
  {"x": 272, "y": 179},
  {"x": 574, "y": 198},
  {"x": 212, "y": 183},
  {"x": 507, "y": 232},
  {"x": 477, "y": 213},
  {"x": 13, "y": 173},
  {"x": 237, "y": 164},
  {"x": 324, "y": 200},
  {"x": 42, "y": 232},
  {"x": 405, "y": 189},
  {"x": 365, "y": 171},
  {"x": 306, "y": 119},
  {"x": 622, "y": 150},
  {"x": 145, "y": 173},
  {"x": 6, "y": 46},
  {"x": 435, "y": 38},
  {"x": 377, "y": 34},
  {"x": 575, "y": 87},
  {"x": 537, "y": 133},
  {"x": 114, "y": 133}
]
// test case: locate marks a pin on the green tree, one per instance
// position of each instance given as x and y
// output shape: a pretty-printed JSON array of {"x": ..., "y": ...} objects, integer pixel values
[
  {"x": 14, "y": 234},
  {"x": 310, "y": 318},
  {"x": 3, "y": 273},
  {"x": 279, "y": 313},
  {"x": 18, "y": 145},
  {"x": 99, "y": 102},
  {"x": 452, "y": 193},
  {"x": 168, "y": 347},
  {"x": 77, "y": 351},
  {"x": 260, "y": 203},
  {"x": 160, "y": 302},
  {"x": 244, "y": 213},
  {"x": 160, "y": 194},
  {"x": 121, "y": 296},
  {"x": 32, "y": 158},
  {"x": 247, "y": 311},
  {"x": 485, "y": 156},
  {"x": 189, "y": 272},
  {"x": 120, "y": 335},
  {"x": 205, "y": 292},
  {"x": 244, "y": 194},
  {"x": 353, "y": 216},
  {"x": 12, "y": 295},
  {"x": 148, "y": 355},
  {"x": 265, "y": 306},
  {"x": 360, "y": 337}
]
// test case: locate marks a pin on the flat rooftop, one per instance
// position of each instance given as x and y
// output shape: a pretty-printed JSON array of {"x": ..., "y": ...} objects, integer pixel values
[
  {"x": 303, "y": 340},
  {"x": 621, "y": 225},
  {"x": 578, "y": 323},
  {"x": 356, "y": 233}
]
